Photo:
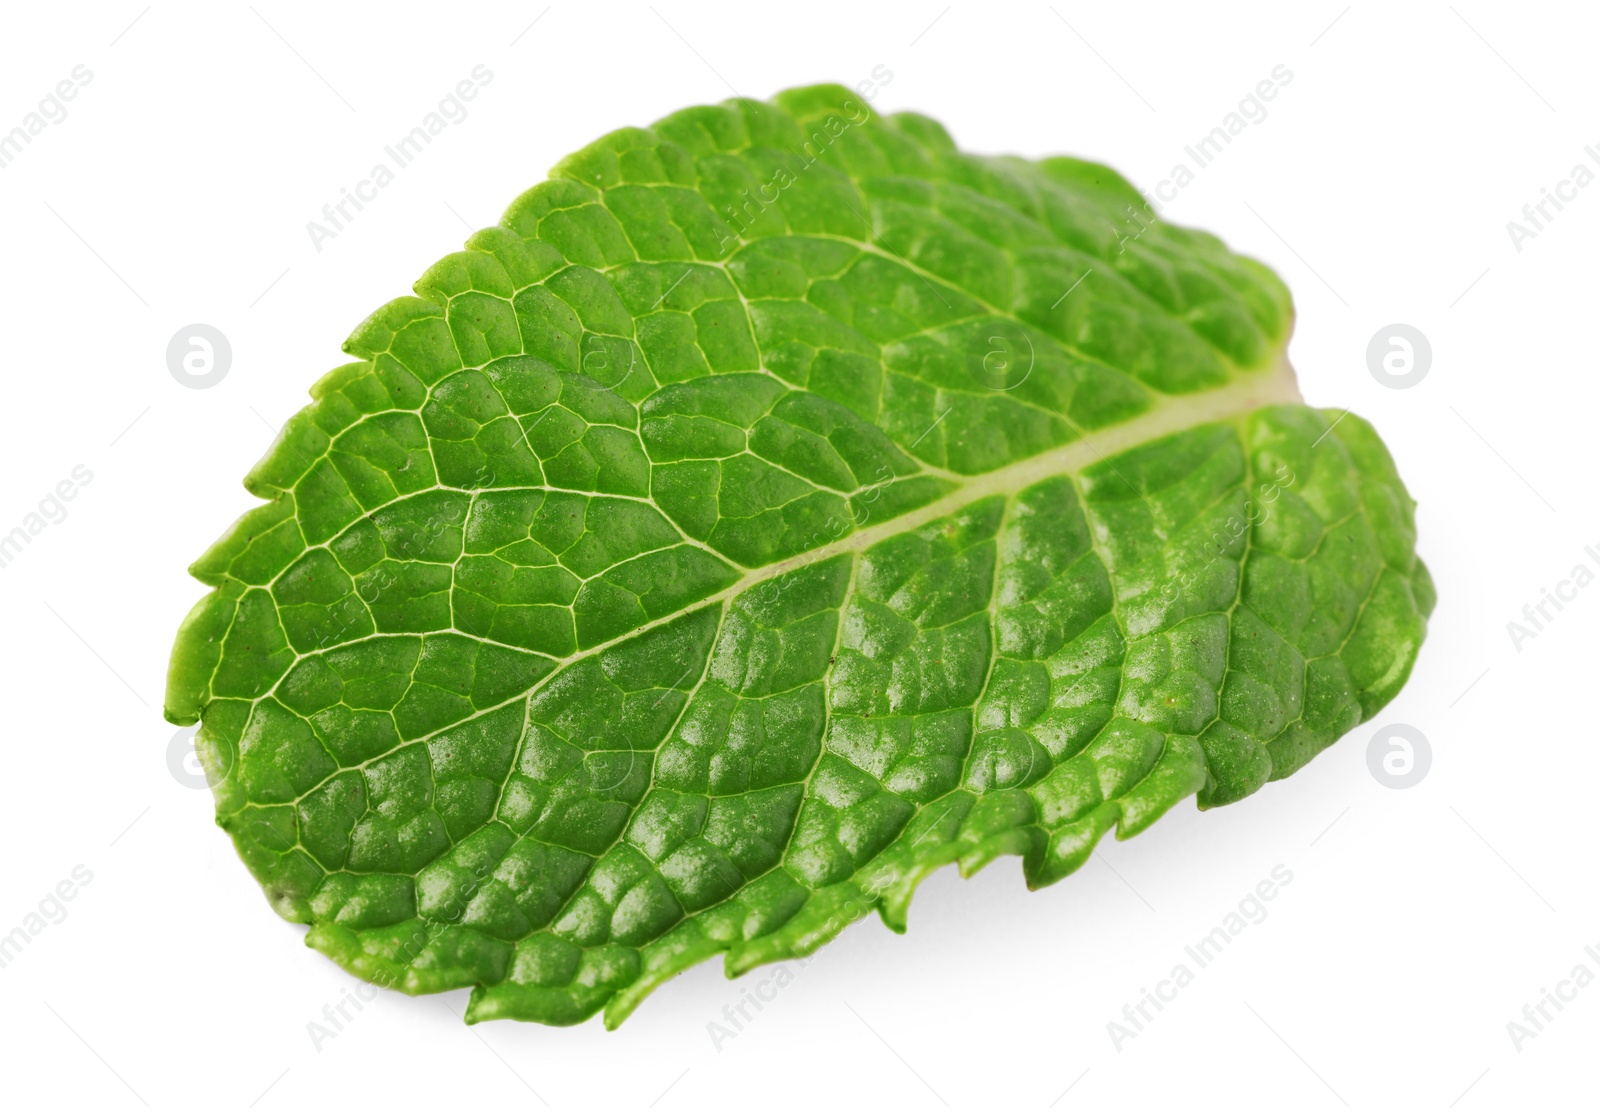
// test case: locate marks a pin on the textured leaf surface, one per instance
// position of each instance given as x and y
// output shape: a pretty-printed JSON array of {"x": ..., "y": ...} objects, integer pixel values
[{"x": 777, "y": 506}]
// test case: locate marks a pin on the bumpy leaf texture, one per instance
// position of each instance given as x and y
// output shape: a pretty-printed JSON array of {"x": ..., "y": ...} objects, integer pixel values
[{"x": 778, "y": 505}]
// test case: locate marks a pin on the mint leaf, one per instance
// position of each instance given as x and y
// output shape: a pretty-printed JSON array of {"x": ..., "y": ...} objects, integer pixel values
[{"x": 777, "y": 506}]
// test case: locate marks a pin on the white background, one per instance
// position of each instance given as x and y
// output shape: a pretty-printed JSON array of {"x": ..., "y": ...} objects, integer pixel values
[{"x": 1418, "y": 923}]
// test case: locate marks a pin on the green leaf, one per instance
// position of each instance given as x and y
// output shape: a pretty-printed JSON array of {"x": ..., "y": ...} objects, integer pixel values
[{"x": 778, "y": 506}]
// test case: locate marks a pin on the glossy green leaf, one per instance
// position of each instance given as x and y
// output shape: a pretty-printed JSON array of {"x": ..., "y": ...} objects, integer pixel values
[{"x": 778, "y": 505}]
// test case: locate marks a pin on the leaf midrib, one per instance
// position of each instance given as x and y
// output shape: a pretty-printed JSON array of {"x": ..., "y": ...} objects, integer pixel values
[{"x": 1173, "y": 414}]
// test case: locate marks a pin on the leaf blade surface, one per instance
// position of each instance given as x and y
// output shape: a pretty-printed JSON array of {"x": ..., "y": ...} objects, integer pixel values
[{"x": 777, "y": 506}]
